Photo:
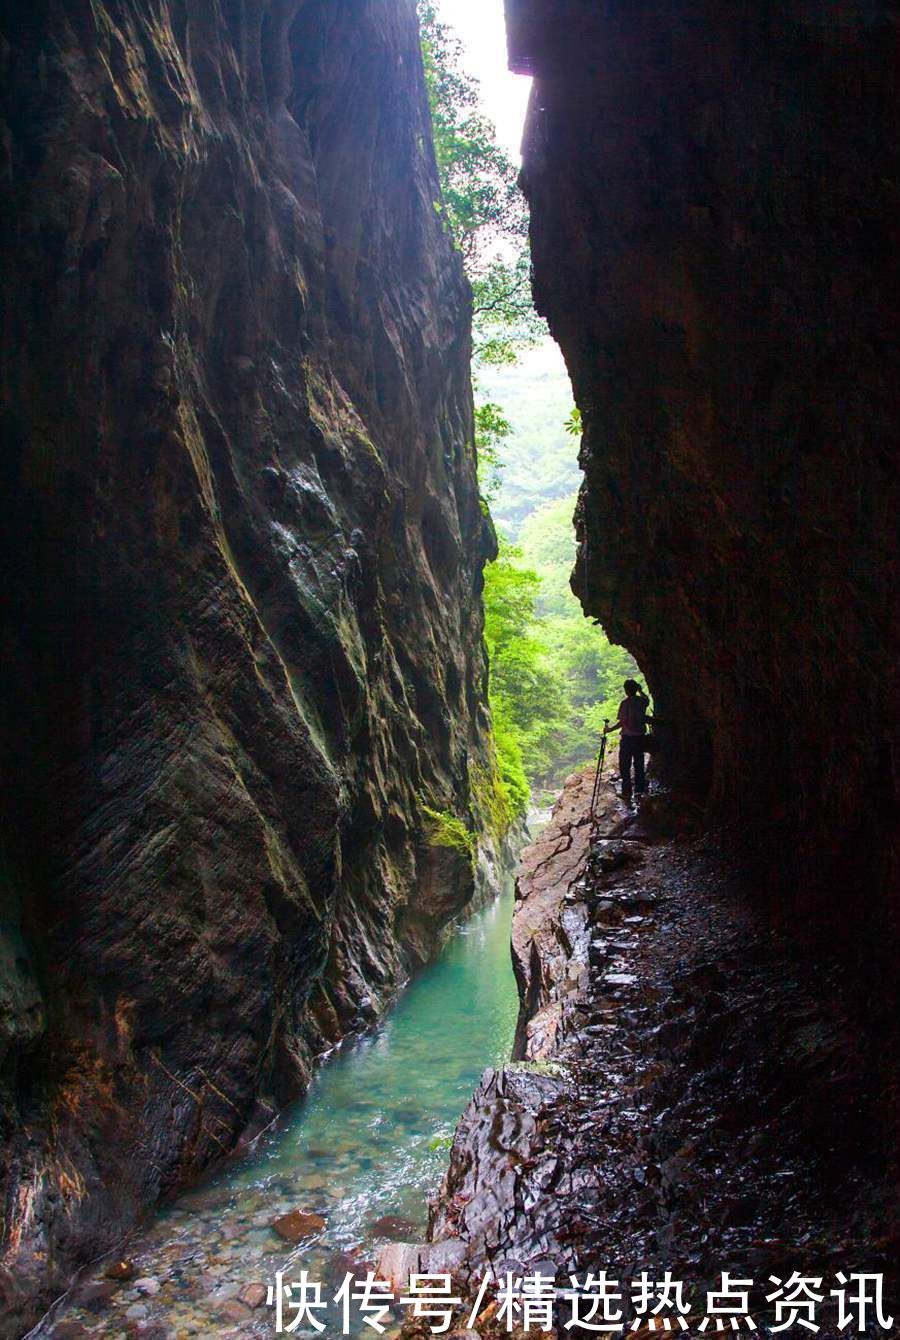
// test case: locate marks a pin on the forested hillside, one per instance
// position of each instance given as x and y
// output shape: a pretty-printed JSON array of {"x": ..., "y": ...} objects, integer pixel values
[{"x": 540, "y": 459}]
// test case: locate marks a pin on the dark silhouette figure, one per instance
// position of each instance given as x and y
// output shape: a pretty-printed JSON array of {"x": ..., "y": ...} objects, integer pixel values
[{"x": 632, "y": 722}]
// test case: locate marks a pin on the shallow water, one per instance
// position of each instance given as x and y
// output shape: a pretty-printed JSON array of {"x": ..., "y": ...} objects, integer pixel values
[{"x": 369, "y": 1141}]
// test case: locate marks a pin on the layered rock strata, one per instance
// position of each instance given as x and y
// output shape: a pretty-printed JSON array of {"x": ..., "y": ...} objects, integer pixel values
[
  {"x": 715, "y": 241},
  {"x": 243, "y": 548}
]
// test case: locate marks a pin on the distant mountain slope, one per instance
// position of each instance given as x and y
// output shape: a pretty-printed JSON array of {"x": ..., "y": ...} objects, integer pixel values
[{"x": 540, "y": 457}]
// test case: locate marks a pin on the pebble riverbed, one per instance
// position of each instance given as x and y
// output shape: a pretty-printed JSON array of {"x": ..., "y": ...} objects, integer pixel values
[{"x": 362, "y": 1152}]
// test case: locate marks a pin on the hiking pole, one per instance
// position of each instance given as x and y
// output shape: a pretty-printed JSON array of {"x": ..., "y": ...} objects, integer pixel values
[{"x": 598, "y": 775}]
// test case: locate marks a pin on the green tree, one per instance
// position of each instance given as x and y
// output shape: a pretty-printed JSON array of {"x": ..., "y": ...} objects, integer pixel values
[
  {"x": 551, "y": 671},
  {"x": 539, "y": 457},
  {"x": 519, "y": 674},
  {"x": 481, "y": 203},
  {"x": 588, "y": 669},
  {"x": 491, "y": 428},
  {"x": 522, "y": 690},
  {"x": 547, "y": 535},
  {"x": 484, "y": 212}
]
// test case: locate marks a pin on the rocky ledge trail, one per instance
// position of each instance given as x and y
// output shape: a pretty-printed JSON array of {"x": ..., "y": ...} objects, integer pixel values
[{"x": 688, "y": 1093}]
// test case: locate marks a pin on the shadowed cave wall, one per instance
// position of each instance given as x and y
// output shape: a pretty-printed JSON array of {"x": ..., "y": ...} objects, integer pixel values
[
  {"x": 713, "y": 191},
  {"x": 243, "y": 548}
]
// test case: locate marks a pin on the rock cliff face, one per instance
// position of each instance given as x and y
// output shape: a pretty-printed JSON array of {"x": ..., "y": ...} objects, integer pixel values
[
  {"x": 714, "y": 231},
  {"x": 243, "y": 548}
]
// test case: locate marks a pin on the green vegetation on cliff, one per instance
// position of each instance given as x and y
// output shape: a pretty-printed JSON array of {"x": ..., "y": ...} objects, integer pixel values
[
  {"x": 481, "y": 203},
  {"x": 587, "y": 669},
  {"x": 444, "y": 829}
]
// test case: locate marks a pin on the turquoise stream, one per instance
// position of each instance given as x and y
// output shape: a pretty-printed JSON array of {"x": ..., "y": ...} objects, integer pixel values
[{"x": 369, "y": 1141}]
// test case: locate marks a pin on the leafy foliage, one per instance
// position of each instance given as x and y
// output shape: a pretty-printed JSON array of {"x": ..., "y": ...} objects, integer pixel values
[
  {"x": 588, "y": 670},
  {"x": 521, "y": 685},
  {"x": 485, "y": 214},
  {"x": 491, "y": 428},
  {"x": 481, "y": 203},
  {"x": 480, "y": 200},
  {"x": 522, "y": 690},
  {"x": 518, "y": 672},
  {"x": 546, "y": 536},
  {"x": 504, "y": 321},
  {"x": 552, "y": 674},
  {"x": 508, "y": 743},
  {"x": 573, "y": 424}
]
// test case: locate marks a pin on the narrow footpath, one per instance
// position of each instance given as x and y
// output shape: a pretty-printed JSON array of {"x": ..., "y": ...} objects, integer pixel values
[{"x": 688, "y": 1093}]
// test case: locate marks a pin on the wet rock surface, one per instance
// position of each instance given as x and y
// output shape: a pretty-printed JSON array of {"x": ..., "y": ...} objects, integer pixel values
[
  {"x": 715, "y": 244},
  {"x": 242, "y": 639},
  {"x": 691, "y": 1092},
  {"x": 297, "y": 1225}
]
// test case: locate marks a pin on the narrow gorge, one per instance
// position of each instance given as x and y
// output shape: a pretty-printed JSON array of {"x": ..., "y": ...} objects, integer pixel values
[
  {"x": 252, "y": 783},
  {"x": 707, "y": 1068}
]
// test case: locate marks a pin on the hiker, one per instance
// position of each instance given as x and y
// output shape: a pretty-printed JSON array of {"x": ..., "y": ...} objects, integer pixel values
[{"x": 632, "y": 722}]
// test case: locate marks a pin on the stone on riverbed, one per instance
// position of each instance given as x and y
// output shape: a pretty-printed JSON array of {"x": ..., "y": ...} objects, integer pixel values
[
  {"x": 392, "y": 1226},
  {"x": 341, "y": 1264},
  {"x": 399, "y": 1260},
  {"x": 297, "y": 1225},
  {"x": 120, "y": 1270},
  {"x": 97, "y": 1297},
  {"x": 253, "y": 1295},
  {"x": 233, "y": 1310}
]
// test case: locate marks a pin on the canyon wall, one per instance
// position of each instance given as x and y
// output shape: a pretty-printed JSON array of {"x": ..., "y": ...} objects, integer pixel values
[
  {"x": 243, "y": 549},
  {"x": 713, "y": 191}
]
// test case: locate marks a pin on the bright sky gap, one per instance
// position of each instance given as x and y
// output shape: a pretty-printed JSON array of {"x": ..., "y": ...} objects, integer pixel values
[{"x": 480, "y": 27}]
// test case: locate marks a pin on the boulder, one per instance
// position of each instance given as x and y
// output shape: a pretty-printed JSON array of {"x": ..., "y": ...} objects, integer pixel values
[
  {"x": 297, "y": 1225},
  {"x": 253, "y": 1295}
]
